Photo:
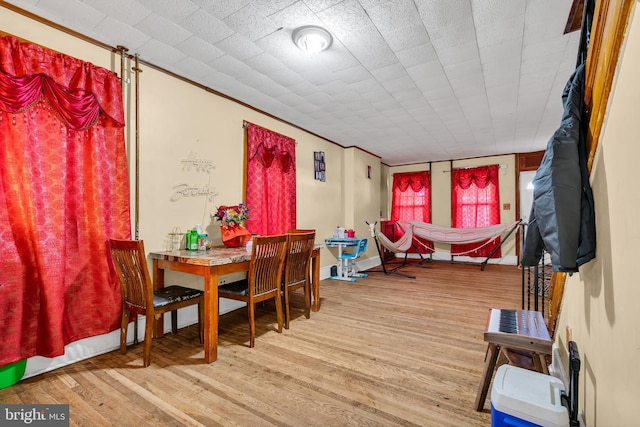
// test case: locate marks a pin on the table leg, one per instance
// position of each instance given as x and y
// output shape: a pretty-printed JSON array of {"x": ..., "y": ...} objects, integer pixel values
[
  {"x": 340, "y": 260},
  {"x": 158, "y": 283},
  {"x": 489, "y": 364},
  {"x": 211, "y": 316},
  {"x": 315, "y": 280}
]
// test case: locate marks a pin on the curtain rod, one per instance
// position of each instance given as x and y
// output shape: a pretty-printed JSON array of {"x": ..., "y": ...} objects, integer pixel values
[
  {"x": 500, "y": 166},
  {"x": 245, "y": 125}
]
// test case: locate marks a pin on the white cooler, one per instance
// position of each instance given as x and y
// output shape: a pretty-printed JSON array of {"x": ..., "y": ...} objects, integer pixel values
[{"x": 524, "y": 398}]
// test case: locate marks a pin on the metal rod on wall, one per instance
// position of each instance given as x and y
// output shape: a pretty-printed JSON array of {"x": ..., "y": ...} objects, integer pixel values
[
  {"x": 137, "y": 71},
  {"x": 451, "y": 203},
  {"x": 123, "y": 53},
  {"x": 123, "y": 82}
]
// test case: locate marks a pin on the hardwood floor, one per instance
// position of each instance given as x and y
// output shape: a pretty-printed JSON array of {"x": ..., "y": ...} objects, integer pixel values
[{"x": 383, "y": 351}]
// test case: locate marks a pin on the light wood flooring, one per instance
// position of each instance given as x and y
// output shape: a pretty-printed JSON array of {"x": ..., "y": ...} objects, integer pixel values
[{"x": 383, "y": 351}]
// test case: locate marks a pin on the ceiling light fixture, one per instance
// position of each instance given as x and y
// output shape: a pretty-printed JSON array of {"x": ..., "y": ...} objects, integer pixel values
[{"x": 312, "y": 39}]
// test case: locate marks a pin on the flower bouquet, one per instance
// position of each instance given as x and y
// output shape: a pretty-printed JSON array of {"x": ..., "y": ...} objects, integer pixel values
[{"x": 233, "y": 219}]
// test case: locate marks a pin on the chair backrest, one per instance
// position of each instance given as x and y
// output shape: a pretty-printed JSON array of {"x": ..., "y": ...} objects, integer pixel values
[
  {"x": 267, "y": 259},
  {"x": 131, "y": 266},
  {"x": 299, "y": 230},
  {"x": 299, "y": 248},
  {"x": 362, "y": 247}
]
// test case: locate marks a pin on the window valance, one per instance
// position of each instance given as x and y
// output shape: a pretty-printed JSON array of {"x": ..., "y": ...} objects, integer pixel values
[
  {"x": 79, "y": 92},
  {"x": 266, "y": 146},
  {"x": 414, "y": 180},
  {"x": 480, "y": 176}
]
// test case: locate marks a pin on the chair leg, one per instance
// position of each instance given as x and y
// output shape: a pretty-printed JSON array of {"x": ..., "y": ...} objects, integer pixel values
[
  {"x": 201, "y": 321},
  {"x": 307, "y": 300},
  {"x": 148, "y": 337},
  {"x": 287, "y": 312},
  {"x": 252, "y": 324},
  {"x": 174, "y": 322},
  {"x": 279, "y": 313},
  {"x": 124, "y": 325},
  {"x": 135, "y": 326}
]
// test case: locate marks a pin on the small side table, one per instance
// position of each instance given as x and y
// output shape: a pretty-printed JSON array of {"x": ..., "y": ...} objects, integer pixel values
[{"x": 346, "y": 272}]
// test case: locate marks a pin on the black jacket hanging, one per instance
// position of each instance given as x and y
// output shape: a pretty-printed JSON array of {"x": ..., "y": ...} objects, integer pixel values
[{"x": 562, "y": 219}]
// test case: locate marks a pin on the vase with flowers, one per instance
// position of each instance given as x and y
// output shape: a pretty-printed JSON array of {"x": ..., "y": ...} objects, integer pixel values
[{"x": 232, "y": 228}]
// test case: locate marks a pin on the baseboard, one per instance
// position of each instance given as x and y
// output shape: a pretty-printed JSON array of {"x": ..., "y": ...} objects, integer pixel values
[
  {"x": 556, "y": 368},
  {"x": 363, "y": 264}
]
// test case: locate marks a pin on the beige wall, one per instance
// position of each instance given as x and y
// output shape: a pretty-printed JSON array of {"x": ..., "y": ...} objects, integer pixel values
[
  {"x": 362, "y": 193},
  {"x": 601, "y": 303},
  {"x": 385, "y": 191},
  {"x": 182, "y": 120}
]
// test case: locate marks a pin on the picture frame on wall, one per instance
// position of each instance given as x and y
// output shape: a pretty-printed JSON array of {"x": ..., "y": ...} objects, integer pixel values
[{"x": 319, "y": 166}]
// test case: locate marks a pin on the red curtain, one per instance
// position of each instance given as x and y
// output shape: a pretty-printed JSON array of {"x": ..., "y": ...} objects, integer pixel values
[
  {"x": 63, "y": 192},
  {"x": 271, "y": 181},
  {"x": 411, "y": 200},
  {"x": 475, "y": 202}
]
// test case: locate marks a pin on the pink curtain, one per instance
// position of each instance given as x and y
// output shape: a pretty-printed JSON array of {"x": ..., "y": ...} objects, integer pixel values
[
  {"x": 411, "y": 200},
  {"x": 475, "y": 202},
  {"x": 271, "y": 181},
  {"x": 63, "y": 192}
]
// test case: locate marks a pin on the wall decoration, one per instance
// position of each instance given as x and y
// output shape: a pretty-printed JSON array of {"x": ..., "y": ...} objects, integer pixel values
[
  {"x": 200, "y": 165},
  {"x": 319, "y": 165},
  {"x": 183, "y": 190},
  {"x": 192, "y": 163}
]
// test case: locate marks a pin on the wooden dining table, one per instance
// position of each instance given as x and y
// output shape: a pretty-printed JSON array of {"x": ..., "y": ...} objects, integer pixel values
[{"x": 211, "y": 264}]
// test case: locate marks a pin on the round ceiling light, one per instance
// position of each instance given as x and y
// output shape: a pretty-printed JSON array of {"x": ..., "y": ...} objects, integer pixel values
[{"x": 312, "y": 39}]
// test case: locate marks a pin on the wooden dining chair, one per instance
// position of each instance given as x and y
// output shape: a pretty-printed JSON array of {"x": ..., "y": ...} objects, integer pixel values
[
  {"x": 300, "y": 230},
  {"x": 139, "y": 297},
  {"x": 296, "y": 271},
  {"x": 263, "y": 280}
]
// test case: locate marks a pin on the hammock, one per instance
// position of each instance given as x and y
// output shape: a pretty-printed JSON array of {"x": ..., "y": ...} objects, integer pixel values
[
  {"x": 446, "y": 235},
  {"x": 401, "y": 245},
  {"x": 457, "y": 236}
]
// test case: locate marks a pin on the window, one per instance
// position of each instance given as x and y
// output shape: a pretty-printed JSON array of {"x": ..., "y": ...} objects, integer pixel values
[
  {"x": 270, "y": 181},
  {"x": 411, "y": 201},
  {"x": 411, "y": 197},
  {"x": 475, "y": 202}
]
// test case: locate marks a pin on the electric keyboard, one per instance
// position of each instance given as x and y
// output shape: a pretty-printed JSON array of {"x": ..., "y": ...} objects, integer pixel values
[
  {"x": 513, "y": 330},
  {"x": 519, "y": 329}
]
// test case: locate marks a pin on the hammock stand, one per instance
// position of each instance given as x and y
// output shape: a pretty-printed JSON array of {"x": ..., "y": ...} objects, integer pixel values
[
  {"x": 413, "y": 245},
  {"x": 450, "y": 236},
  {"x": 384, "y": 267}
]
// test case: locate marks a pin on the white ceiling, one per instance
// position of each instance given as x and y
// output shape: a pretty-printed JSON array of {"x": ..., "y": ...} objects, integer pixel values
[{"x": 407, "y": 80}]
